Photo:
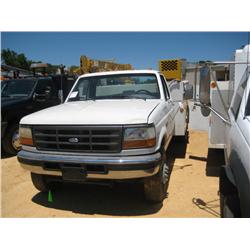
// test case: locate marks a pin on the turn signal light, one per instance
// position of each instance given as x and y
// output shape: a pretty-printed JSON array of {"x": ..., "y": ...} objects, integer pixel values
[
  {"x": 139, "y": 143},
  {"x": 26, "y": 141},
  {"x": 25, "y": 134},
  {"x": 213, "y": 84}
]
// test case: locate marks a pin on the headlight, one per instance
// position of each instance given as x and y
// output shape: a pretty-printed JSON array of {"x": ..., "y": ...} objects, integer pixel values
[
  {"x": 141, "y": 137},
  {"x": 25, "y": 134}
]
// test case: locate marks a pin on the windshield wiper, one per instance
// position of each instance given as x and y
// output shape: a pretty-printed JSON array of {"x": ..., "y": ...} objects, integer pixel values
[
  {"x": 90, "y": 99},
  {"x": 123, "y": 97},
  {"x": 5, "y": 95},
  {"x": 137, "y": 97},
  {"x": 110, "y": 98}
]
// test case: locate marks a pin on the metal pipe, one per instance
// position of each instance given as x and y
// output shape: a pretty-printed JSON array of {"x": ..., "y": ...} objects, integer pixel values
[
  {"x": 195, "y": 80},
  {"x": 227, "y": 62},
  {"x": 214, "y": 111}
]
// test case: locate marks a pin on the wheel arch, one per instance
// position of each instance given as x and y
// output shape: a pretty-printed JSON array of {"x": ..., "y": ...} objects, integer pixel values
[
  {"x": 237, "y": 175},
  {"x": 162, "y": 138}
]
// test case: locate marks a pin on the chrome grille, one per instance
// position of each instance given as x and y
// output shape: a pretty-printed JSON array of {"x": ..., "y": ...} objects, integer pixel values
[{"x": 78, "y": 138}]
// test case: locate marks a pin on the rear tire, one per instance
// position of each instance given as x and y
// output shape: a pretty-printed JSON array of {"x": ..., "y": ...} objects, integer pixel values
[
  {"x": 229, "y": 198},
  {"x": 40, "y": 182},
  {"x": 155, "y": 187},
  {"x": 184, "y": 138}
]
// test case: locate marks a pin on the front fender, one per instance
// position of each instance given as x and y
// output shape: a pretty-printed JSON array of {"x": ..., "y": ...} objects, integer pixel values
[{"x": 162, "y": 138}]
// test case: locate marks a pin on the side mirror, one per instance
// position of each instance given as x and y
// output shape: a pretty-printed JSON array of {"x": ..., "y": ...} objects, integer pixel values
[
  {"x": 188, "y": 91},
  {"x": 204, "y": 86},
  {"x": 204, "y": 89},
  {"x": 39, "y": 97},
  {"x": 47, "y": 93},
  {"x": 42, "y": 96}
]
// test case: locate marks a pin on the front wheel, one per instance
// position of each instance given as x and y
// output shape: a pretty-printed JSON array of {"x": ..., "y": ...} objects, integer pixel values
[
  {"x": 11, "y": 143},
  {"x": 40, "y": 182},
  {"x": 155, "y": 187}
]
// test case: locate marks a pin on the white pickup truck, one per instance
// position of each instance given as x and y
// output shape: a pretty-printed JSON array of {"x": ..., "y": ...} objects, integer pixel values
[{"x": 112, "y": 126}]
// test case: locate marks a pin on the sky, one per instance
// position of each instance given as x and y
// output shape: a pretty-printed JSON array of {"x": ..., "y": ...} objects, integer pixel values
[{"x": 142, "y": 50}]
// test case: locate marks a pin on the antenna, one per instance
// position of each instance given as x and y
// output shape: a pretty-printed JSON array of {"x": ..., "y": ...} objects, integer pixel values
[
  {"x": 248, "y": 51},
  {"x": 248, "y": 38}
]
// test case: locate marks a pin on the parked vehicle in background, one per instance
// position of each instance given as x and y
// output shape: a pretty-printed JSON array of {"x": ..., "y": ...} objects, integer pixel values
[
  {"x": 181, "y": 92},
  {"x": 235, "y": 175},
  {"x": 174, "y": 72},
  {"x": 20, "y": 97},
  {"x": 113, "y": 126}
]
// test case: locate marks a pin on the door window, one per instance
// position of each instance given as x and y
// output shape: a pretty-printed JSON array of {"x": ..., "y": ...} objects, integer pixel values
[
  {"x": 247, "y": 111},
  {"x": 165, "y": 88},
  {"x": 237, "y": 100},
  {"x": 46, "y": 85}
]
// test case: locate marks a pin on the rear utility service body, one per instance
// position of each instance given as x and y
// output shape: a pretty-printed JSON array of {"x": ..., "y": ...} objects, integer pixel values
[{"x": 232, "y": 110}]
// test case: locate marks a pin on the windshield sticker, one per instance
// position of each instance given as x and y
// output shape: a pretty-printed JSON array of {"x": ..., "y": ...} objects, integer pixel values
[{"x": 73, "y": 94}]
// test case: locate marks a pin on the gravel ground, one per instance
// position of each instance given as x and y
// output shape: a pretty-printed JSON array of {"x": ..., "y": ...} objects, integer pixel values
[{"x": 191, "y": 192}]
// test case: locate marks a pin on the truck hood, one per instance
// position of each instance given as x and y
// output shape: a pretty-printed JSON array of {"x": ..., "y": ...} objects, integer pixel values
[{"x": 97, "y": 112}]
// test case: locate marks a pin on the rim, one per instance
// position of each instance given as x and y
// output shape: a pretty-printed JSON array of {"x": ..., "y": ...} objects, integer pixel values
[
  {"x": 165, "y": 169},
  {"x": 16, "y": 140},
  {"x": 165, "y": 173}
]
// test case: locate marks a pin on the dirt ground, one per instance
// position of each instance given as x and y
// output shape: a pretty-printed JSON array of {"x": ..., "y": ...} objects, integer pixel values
[{"x": 191, "y": 192}]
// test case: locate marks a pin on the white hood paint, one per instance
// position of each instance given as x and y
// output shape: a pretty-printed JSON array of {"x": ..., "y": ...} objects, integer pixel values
[{"x": 94, "y": 113}]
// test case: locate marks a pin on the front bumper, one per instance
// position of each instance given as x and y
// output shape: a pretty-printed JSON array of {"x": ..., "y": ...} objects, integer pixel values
[{"x": 118, "y": 168}]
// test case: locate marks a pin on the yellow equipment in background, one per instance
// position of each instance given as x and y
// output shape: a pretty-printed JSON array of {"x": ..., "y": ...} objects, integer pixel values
[
  {"x": 88, "y": 65},
  {"x": 172, "y": 69}
]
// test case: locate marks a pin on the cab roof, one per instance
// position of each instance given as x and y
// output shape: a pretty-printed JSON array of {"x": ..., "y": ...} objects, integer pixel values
[{"x": 121, "y": 72}]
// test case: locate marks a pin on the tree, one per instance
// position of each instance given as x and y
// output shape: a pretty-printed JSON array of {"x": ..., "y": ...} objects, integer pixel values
[
  {"x": 14, "y": 59},
  {"x": 73, "y": 69},
  {"x": 11, "y": 58},
  {"x": 52, "y": 69},
  {"x": 22, "y": 61}
]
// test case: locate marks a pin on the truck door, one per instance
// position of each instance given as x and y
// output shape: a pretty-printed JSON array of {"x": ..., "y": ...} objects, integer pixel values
[
  {"x": 238, "y": 144},
  {"x": 45, "y": 94},
  {"x": 168, "y": 108}
]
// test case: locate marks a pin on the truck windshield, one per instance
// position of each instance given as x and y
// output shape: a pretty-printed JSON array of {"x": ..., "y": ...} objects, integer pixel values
[
  {"x": 17, "y": 88},
  {"x": 124, "y": 86}
]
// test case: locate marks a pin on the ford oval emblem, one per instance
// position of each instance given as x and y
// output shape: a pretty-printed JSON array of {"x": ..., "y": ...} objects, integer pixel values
[{"x": 73, "y": 140}]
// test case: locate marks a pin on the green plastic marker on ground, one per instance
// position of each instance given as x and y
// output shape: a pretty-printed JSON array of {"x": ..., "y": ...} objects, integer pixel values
[{"x": 50, "y": 199}]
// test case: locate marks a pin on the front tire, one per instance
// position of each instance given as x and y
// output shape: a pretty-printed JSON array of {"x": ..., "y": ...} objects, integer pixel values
[
  {"x": 40, "y": 182},
  {"x": 155, "y": 187},
  {"x": 11, "y": 144}
]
